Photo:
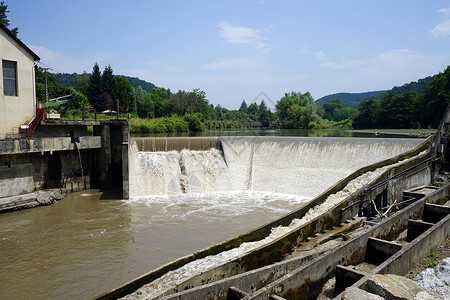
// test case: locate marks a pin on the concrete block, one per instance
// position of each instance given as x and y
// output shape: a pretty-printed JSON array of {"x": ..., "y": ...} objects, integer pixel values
[
  {"x": 353, "y": 293},
  {"x": 379, "y": 250},
  {"x": 346, "y": 276},
  {"x": 433, "y": 213},
  {"x": 416, "y": 228},
  {"x": 393, "y": 287}
]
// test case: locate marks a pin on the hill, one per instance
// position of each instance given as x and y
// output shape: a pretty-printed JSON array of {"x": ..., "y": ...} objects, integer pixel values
[
  {"x": 68, "y": 80},
  {"x": 145, "y": 85},
  {"x": 349, "y": 99}
]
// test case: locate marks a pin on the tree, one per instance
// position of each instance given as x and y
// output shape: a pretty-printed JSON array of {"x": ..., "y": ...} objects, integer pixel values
[
  {"x": 81, "y": 83},
  {"x": 108, "y": 81},
  {"x": 124, "y": 92},
  {"x": 297, "y": 110},
  {"x": 396, "y": 111},
  {"x": 330, "y": 107},
  {"x": 435, "y": 99},
  {"x": 159, "y": 96},
  {"x": 262, "y": 106},
  {"x": 95, "y": 87},
  {"x": 368, "y": 114},
  {"x": 243, "y": 108},
  {"x": 144, "y": 102},
  {"x": 252, "y": 109},
  {"x": 184, "y": 102},
  {"x": 4, "y": 19}
]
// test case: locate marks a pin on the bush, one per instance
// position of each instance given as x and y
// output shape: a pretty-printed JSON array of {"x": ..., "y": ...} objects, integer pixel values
[{"x": 194, "y": 122}]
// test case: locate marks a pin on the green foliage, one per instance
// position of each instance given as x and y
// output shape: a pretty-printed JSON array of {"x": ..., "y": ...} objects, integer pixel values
[
  {"x": 55, "y": 89},
  {"x": 94, "y": 89},
  {"x": 166, "y": 124},
  {"x": 145, "y": 104},
  {"x": 184, "y": 102},
  {"x": 67, "y": 80},
  {"x": 297, "y": 110},
  {"x": 409, "y": 109},
  {"x": 136, "y": 82},
  {"x": 124, "y": 92},
  {"x": 349, "y": 99},
  {"x": 194, "y": 122},
  {"x": 4, "y": 18},
  {"x": 244, "y": 107}
]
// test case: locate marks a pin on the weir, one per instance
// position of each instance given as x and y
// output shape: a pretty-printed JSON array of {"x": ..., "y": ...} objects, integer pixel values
[{"x": 301, "y": 166}]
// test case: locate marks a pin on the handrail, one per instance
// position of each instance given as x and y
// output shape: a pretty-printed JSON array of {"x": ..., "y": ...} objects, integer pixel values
[{"x": 38, "y": 117}]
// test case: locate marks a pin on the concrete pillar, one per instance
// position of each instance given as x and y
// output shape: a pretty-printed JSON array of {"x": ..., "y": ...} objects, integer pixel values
[
  {"x": 125, "y": 175},
  {"x": 105, "y": 157}
]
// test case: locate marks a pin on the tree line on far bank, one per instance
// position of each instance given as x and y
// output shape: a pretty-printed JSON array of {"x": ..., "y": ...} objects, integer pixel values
[{"x": 159, "y": 109}]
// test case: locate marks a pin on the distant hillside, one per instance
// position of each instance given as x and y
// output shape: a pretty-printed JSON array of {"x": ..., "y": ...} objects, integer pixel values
[
  {"x": 414, "y": 86},
  {"x": 68, "y": 80},
  {"x": 136, "y": 82},
  {"x": 65, "y": 79},
  {"x": 349, "y": 99}
]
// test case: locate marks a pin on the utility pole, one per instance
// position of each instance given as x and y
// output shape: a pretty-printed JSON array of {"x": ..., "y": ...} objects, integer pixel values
[
  {"x": 135, "y": 106},
  {"x": 46, "y": 86}
]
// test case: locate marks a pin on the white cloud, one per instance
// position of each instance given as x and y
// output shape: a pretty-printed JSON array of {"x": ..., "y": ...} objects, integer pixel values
[
  {"x": 445, "y": 11},
  {"x": 442, "y": 29},
  {"x": 62, "y": 62},
  {"x": 320, "y": 55},
  {"x": 242, "y": 35}
]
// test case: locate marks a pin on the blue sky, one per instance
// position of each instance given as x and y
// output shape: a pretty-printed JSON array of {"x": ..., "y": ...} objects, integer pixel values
[{"x": 234, "y": 50}]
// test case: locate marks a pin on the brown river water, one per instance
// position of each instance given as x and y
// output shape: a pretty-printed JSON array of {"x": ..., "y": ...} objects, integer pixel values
[{"x": 90, "y": 242}]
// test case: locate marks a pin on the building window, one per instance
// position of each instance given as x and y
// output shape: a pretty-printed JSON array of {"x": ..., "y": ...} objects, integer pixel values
[{"x": 9, "y": 78}]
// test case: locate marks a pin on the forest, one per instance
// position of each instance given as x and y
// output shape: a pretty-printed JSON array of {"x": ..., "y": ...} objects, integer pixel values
[{"x": 417, "y": 104}]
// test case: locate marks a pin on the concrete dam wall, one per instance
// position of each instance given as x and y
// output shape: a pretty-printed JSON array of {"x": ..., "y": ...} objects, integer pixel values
[{"x": 301, "y": 166}]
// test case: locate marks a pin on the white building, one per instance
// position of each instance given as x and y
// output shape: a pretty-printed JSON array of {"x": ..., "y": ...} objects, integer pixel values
[{"x": 17, "y": 83}]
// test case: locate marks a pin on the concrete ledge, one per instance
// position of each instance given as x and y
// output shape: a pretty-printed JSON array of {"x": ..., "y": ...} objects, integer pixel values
[
  {"x": 21, "y": 146},
  {"x": 44, "y": 197}
]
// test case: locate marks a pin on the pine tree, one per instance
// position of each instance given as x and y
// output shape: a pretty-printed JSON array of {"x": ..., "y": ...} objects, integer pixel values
[{"x": 95, "y": 87}]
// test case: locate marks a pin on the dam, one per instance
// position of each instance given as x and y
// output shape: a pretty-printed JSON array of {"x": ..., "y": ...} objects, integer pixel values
[{"x": 181, "y": 201}]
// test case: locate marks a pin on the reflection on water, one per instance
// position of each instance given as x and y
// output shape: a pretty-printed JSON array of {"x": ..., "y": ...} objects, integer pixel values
[
  {"x": 274, "y": 132},
  {"x": 89, "y": 243}
]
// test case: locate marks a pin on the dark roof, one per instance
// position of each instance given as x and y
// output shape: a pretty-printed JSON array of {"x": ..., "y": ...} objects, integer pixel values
[{"x": 19, "y": 42}]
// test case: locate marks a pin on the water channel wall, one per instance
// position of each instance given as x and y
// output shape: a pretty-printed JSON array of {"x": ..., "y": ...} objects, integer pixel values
[{"x": 64, "y": 155}]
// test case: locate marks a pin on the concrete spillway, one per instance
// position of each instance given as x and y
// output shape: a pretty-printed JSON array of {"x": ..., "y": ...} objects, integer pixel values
[{"x": 299, "y": 166}]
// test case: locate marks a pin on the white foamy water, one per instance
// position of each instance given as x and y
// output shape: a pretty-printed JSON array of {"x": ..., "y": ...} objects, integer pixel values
[
  {"x": 213, "y": 183},
  {"x": 299, "y": 166}
]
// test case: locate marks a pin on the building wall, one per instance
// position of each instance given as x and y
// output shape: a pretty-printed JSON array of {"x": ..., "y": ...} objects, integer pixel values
[{"x": 16, "y": 110}]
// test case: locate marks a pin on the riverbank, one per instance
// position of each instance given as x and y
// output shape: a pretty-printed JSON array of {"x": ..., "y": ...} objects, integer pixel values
[{"x": 416, "y": 133}]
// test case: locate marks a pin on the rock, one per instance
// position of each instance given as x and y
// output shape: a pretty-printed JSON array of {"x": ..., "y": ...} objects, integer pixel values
[
  {"x": 393, "y": 287},
  {"x": 424, "y": 295},
  {"x": 436, "y": 280},
  {"x": 328, "y": 290},
  {"x": 353, "y": 293}
]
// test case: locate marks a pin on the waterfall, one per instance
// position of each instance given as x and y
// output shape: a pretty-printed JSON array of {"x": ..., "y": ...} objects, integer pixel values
[{"x": 299, "y": 166}]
